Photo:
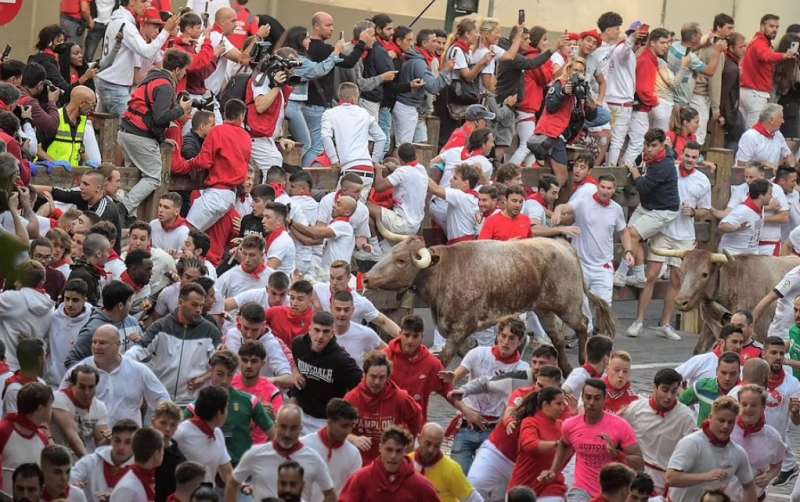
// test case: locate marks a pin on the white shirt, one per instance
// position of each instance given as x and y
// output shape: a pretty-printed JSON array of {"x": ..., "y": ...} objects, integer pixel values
[
  {"x": 596, "y": 63},
  {"x": 452, "y": 158},
  {"x": 575, "y": 381},
  {"x": 694, "y": 191},
  {"x": 259, "y": 468},
  {"x": 743, "y": 241},
  {"x": 359, "y": 220},
  {"x": 115, "y": 267},
  {"x": 764, "y": 448},
  {"x": 585, "y": 189},
  {"x": 129, "y": 489},
  {"x": 480, "y": 362},
  {"x": 598, "y": 223},
  {"x": 481, "y": 51},
  {"x": 793, "y": 199},
  {"x": 754, "y": 146},
  {"x": 168, "y": 300},
  {"x": 88, "y": 472},
  {"x": 342, "y": 462},
  {"x": 363, "y": 309},
  {"x": 87, "y": 421},
  {"x": 133, "y": 46},
  {"x": 535, "y": 211},
  {"x": 125, "y": 389},
  {"x": 777, "y": 412},
  {"x": 620, "y": 72},
  {"x": 787, "y": 290},
  {"x": 739, "y": 193},
  {"x": 358, "y": 340},
  {"x": 63, "y": 332},
  {"x": 196, "y": 446},
  {"x": 235, "y": 281},
  {"x": 462, "y": 213},
  {"x": 351, "y": 128},
  {"x": 104, "y": 9},
  {"x": 410, "y": 193},
  {"x": 699, "y": 366},
  {"x": 15, "y": 450},
  {"x": 339, "y": 247},
  {"x": 276, "y": 363},
  {"x": 217, "y": 80},
  {"x": 171, "y": 240},
  {"x": 308, "y": 207},
  {"x": 771, "y": 232},
  {"x": 282, "y": 248}
]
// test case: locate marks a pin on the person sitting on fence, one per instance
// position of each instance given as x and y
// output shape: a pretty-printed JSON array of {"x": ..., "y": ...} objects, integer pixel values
[{"x": 410, "y": 183}]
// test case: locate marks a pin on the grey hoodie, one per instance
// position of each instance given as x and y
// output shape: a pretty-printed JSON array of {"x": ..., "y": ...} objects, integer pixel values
[
  {"x": 416, "y": 67},
  {"x": 25, "y": 313},
  {"x": 83, "y": 343}
]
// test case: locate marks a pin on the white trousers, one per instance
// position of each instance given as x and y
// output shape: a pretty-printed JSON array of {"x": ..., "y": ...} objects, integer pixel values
[
  {"x": 490, "y": 472},
  {"x": 751, "y": 103},
  {"x": 703, "y": 106},
  {"x": 265, "y": 155},
  {"x": 372, "y": 107},
  {"x": 404, "y": 123},
  {"x": 600, "y": 281},
  {"x": 641, "y": 122},
  {"x": 525, "y": 127},
  {"x": 620, "y": 122},
  {"x": 212, "y": 205}
]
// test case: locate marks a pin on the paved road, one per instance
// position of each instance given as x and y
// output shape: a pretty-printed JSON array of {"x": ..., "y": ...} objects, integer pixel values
[{"x": 649, "y": 352}]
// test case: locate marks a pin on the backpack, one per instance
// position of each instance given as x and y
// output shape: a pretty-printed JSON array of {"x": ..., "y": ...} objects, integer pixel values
[{"x": 236, "y": 88}]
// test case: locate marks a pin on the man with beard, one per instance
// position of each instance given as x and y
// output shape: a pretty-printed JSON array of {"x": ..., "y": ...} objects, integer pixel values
[
  {"x": 290, "y": 481},
  {"x": 28, "y": 483},
  {"x": 443, "y": 472},
  {"x": 259, "y": 466}
]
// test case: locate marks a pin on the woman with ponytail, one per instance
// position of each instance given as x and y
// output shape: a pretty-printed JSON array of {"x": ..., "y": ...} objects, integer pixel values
[
  {"x": 683, "y": 127},
  {"x": 539, "y": 417}
]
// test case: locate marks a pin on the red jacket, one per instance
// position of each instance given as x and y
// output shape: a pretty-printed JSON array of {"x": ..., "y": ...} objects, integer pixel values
[
  {"x": 534, "y": 84},
  {"x": 758, "y": 64},
  {"x": 646, "y": 73},
  {"x": 375, "y": 413},
  {"x": 203, "y": 65},
  {"x": 246, "y": 25},
  {"x": 225, "y": 155},
  {"x": 417, "y": 375},
  {"x": 374, "y": 483},
  {"x": 179, "y": 164},
  {"x": 262, "y": 125}
]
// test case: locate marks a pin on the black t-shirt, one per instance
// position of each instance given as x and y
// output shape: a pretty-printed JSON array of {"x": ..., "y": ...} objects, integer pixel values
[{"x": 251, "y": 225}]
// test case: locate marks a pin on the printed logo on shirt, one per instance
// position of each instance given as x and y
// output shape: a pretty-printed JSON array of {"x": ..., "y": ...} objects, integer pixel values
[{"x": 310, "y": 371}]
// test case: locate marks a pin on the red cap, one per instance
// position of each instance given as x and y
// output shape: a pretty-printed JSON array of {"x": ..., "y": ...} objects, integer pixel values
[
  {"x": 573, "y": 37},
  {"x": 594, "y": 34},
  {"x": 152, "y": 16}
]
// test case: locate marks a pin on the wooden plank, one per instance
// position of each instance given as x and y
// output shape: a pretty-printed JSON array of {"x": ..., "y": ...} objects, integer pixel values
[
  {"x": 432, "y": 123},
  {"x": 106, "y": 126},
  {"x": 425, "y": 152}
]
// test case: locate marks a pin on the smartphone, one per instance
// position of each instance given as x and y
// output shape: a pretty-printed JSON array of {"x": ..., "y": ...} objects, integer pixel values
[
  {"x": 521, "y": 16},
  {"x": 341, "y": 35},
  {"x": 6, "y": 52},
  {"x": 792, "y": 48},
  {"x": 91, "y": 64}
]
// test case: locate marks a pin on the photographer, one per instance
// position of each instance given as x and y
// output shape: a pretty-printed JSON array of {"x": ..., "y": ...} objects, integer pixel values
[
  {"x": 152, "y": 107},
  {"x": 567, "y": 105},
  {"x": 43, "y": 113},
  {"x": 10, "y": 95},
  {"x": 266, "y": 99}
]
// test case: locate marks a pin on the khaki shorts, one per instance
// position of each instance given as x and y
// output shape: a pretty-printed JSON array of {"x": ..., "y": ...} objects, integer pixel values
[
  {"x": 396, "y": 223},
  {"x": 649, "y": 222},
  {"x": 661, "y": 241}
]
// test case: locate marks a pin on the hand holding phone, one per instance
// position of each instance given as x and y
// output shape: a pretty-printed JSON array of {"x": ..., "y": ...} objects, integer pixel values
[
  {"x": 794, "y": 47},
  {"x": 341, "y": 35},
  {"x": 521, "y": 16}
]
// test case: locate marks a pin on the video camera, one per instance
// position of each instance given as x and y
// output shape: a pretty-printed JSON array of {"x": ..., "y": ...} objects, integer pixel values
[
  {"x": 206, "y": 104},
  {"x": 269, "y": 64},
  {"x": 580, "y": 86}
]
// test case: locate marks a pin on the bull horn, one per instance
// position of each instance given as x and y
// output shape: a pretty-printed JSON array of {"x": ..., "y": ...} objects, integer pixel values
[
  {"x": 424, "y": 258},
  {"x": 388, "y": 234},
  {"x": 719, "y": 258},
  {"x": 673, "y": 253}
]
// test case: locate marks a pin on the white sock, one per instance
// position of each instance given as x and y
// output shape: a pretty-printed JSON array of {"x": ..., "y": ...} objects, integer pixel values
[
  {"x": 638, "y": 271},
  {"x": 622, "y": 269}
]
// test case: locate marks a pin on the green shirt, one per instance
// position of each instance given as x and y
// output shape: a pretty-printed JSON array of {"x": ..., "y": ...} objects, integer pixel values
[
  {"x": 794, "y": 347},
  {"x": 703, "y": 393},
  {"x": 243, "y": 409}
]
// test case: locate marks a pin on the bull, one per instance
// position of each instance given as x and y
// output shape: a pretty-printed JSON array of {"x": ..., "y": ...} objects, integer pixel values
[
  {"x": 720, "y": 282},
  {"x": 470, "y": 285}
]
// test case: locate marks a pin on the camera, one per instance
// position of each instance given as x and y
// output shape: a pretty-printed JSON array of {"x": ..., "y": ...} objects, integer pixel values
[
  {"x": 580, "y": 86},
  {"x": 51, "y": 87},
  {"x": 270, "y": 64},
  {"x": 206, "y": 104}
]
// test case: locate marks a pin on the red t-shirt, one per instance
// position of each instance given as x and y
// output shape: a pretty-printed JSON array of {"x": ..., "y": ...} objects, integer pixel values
[
  {"x": 500, "y": 227},
  {"x": 531, "y": 462},
  {"x": 418, "y": 375},
  {"x": 287, "y": 325},
  {"x": 506, "y": 443}
]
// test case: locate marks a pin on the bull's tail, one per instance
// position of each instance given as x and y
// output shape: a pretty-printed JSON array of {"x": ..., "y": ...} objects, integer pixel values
[{"x": 604, "y": 322}]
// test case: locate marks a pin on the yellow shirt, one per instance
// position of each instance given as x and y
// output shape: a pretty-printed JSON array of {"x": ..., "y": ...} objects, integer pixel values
[{"x": 448, "y": 479}]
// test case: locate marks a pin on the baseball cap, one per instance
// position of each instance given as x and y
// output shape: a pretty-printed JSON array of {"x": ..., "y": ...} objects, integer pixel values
[
  {"x": 478, "y": 112},
  {"x": 152, "y": 16}
]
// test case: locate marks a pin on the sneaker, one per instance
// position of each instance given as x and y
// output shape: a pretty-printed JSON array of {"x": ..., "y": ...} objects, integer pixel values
[
  {"x": 668, "y": 332},
  {"x": 635, "y": 329},
  {"x": 636, "y": 282},
  {"x": 619, "y": 280},
  {"x": 784, "y": 477}
]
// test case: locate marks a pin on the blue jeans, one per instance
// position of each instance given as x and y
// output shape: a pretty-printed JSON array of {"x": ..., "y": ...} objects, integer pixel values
[
  {"x": 297, "y": 125},
  {"x": 313, "y": 116},
  {"x": 465, "y": 444},
  {"x": 112, "y": 98},
  {"x": 603, "y": 117},
  {"x": 385, "y": 123}
]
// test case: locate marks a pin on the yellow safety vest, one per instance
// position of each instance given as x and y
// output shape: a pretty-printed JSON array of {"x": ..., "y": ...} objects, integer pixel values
[{"x": 65, "y": 146}]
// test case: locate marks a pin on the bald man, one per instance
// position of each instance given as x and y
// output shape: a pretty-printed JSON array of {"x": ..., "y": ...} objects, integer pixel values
[
  {"x": 443, "y": 472},
  {"x": 75, "y": 141},
  {"x": 224, "y": 24}
]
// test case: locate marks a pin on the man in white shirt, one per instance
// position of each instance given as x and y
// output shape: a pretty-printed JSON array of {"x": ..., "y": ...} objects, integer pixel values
[
  {"x": 764, "y": 142},
  {"x": 259, "y": 465},
  {"x": 140, "y": 237},
  {"x": 742, "y": 227},
  {"x": 354, "y": 338},
  {"x": 68, "y": 319},
  {"x": 279, "y": 247},
  {"x": 785, "y": 293},
  {"x": 410, "y": 183},
  {"x": 330, "y": 443},
  {"x": 583, "y": 183},
  {"x": 124, "y": 384},
  {"x": 224, "y": 25},
  {"x": 346, "y": 132},
  {"x": 337, "y": 237},
  {"x": 539, "y": 206},
  {"x": 56, "y": 463},
  {"x": 189, "y": 270},
  {"x": 169, "y": 229},
  {"x": 302, "y": 201},
  {"x": 148, "y": 453},
  {"x": 251, "y": 325},
  {"x": 351, "y": 185},
  {"x": 80, "y": 420},
  {"x": 694, "y": 190},
  {"x": 731, "y": 339},
  {"x": 786, "y": 178},
  {"x": 100, "y": 471},
  {"x": 251, "y": 273},
  {"x": 463, "y": 211},
  {"x": 113, "y": 84}
]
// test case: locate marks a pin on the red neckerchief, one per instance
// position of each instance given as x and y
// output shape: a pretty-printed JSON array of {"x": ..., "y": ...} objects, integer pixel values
[
  {"x": 4, "y": 368},
  {"x": 204, "y": 427},
  {"x": 22, "y": 421},
  {"x": 427, "y": 56},
  {"x": 775, "y": 381},
  {"x": 51, "y": 52},
  {"x": 538, "y": 197},
  {"x": 366, "y": 50},
  {"x": 661, "y": 412},
  {"x": 342, "y": 218},
  {"x": 593, "y": 373},
  {"x": 101, "y": 271},
  {"x": 393, "y": 47},
  {"x": 147, "y": 477},
  {"x": 657, "y": 158},
  {"x": 47, "y": 497},
  {"x": 468, "y": 155},
  {"x": 712, "y": 438},
  {"x": 286, "y": 452},
  {"x": 752, "y": 428},
  {"x": 126, "y": 278},
  {"x": 413, "y": 163},
  {"x": 179, "y": 222},
  {"x": 65, "y": 260},
  {"x": 752, "y": 205},
  {"x": 473, "y": 193},
  {"x": 427, "y": 465},
  {"x": 326, "y": 440},
  {"x": 599, "y": 498},
  {"x": 113, "y": 255},
  {"x": 274, "y": 235},
  {"x": 256, "y": 272},
  {"x": 18, "y": 377},
  {"x": 683, "y": 171},
  {"x": 112, "y": 473},
  {"x": 760, "y": 129},
  {"x": 614, "y": 392},
  {"x": 604, "y": 203},
  {"x": 279, "y": 189},
  {"x": 71, "y": 395},
  {"x": 505, "y": 359},
  {"x": 461, "y": 45},
  {"x": 588, "y": 179}
]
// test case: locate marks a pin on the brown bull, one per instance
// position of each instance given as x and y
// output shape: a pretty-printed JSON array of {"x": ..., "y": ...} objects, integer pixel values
[
  {"x": 715, "y": 282},
  {"x": 470, "y": 285}
]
